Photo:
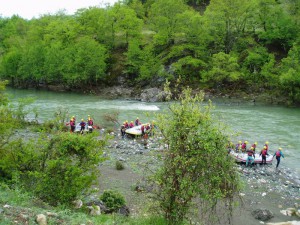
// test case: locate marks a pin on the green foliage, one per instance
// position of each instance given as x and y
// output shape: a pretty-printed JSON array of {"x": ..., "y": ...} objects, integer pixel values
[
  {"x": 195, "y": 164},
  {"x": 289, "y": 78},
  {"x": 56, "y": 169},
  {"x": 224, "y": 69},
  {"x": 112, "y": 199},
  {"x": 155, "y": 40},
  {"x": 119, "y": 165}
]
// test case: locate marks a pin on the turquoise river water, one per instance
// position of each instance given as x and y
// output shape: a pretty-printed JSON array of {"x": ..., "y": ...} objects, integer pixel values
[{"x": 278, "y": 125}]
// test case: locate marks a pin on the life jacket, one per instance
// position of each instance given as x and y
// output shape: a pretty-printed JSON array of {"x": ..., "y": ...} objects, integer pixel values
[
  {"x": 278, "y": 153},
  {"x": 250, "y": 153},
  {"x": 90, "y": 122},
  {"x": 244, "y": 146},
  {"x": 137, "y": 122},
  {"x": 264, "y": 152},
  {"x": 267, "y": 147},
  {"x": 72, "y": 123},
  {"x": 237, "y": 146},
  {"x": 142, "y": 128},
  {"x": 82, "y": 124}
]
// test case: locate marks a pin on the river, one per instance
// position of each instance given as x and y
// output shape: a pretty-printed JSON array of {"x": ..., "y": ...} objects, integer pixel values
[{"x": 278, "y": 125}]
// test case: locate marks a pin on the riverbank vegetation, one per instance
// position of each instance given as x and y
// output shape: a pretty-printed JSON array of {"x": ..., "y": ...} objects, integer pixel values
[{"x": 237, "y": 46}]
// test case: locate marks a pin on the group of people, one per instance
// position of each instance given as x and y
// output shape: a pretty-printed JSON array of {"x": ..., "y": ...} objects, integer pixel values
[
  {"x": 145, "y": 128},
  {"x": 242, "y": 147},
  {"x": 82, "y": 124}
]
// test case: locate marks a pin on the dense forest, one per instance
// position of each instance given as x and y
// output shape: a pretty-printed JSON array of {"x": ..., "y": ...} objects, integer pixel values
[{"x": 232, "y": 45}]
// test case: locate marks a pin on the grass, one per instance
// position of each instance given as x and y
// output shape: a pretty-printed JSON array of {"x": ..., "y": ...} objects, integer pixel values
[{"x": 23, "y": 208}]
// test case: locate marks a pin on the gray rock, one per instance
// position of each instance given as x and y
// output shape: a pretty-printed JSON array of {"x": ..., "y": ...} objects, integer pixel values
[
  {"x": 124, "y": 210},
  {"x": 262, "y": 214},
  {"x": 153, "y": 95}
]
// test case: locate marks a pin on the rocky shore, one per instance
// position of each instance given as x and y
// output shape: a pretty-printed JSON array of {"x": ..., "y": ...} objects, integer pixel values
[{"x": 268, "y": 195}]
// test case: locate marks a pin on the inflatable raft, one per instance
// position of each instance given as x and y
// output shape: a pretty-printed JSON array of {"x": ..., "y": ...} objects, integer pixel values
[
  {"x": 135, "y": 131},
  {"x": 242, "y": 157}
]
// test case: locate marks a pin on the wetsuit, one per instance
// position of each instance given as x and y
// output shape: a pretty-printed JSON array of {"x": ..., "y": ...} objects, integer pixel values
[{"x": 278, "y": 155}]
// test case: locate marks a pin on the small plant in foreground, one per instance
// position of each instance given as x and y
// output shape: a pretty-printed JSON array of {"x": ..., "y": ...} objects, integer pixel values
[
  {"x": 119, "y": 165},
  {"x": 112, "y": 199}
]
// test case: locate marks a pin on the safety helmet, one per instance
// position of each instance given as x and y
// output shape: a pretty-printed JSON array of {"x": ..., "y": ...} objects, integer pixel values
[
  {"x": 251, "y": 148},
  {"x": 137, "y": 118},
  {"x": 126, "y": 121},
  {"x": 81, "y": 119},
  {"x": 131, "y": 122},
  {"x": 279, "y": 148},
  {"x": 240, "y": 142},
  {"x": 265, "y": 147},
  {"x": 72, "y": 120},
  {"x": 88, "y": 115},
  {"x": 267, "y": 142},
  {"x": 255, "y": 143},
  {"x": 246, "y": 142},
  {"x": 73, "y": 116}
]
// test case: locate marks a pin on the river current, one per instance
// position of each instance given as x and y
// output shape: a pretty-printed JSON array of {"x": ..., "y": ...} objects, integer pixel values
[{"x": 278, "y": 125}]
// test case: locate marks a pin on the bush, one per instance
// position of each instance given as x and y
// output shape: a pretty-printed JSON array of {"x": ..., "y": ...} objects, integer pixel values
[
  {"x": 119, "y": 165},
  {"x": 56, "y": 169},
  {"x": 112, "y": 199}
]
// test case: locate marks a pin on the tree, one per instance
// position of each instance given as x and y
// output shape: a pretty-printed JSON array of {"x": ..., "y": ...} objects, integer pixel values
[
  {"x": 164, "y": 17},
  {"x": 228, "y": 20},
  {"x": 224, "y": 70},
  {"x": 289, "y": 78},
  {"x": 195, "y": 162}
]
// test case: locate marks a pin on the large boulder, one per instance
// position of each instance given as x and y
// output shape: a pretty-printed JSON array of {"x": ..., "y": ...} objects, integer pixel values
[
  {"x": 153, "y": 95},
  {"x": 262, "y": 214}
]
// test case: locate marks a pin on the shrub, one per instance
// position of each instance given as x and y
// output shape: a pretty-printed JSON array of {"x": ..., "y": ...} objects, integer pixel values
[
  {"x": 119, "y": 165},
  {"x": 112, "y": 199}
]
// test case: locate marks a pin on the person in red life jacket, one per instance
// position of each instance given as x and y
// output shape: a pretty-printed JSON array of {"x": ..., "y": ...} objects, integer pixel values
[
  {"x": 90, "y": 121},
  {"x": 254, "y": 146},
  {"x": 131, "y": 124},
  {"x": 263, "y": 155},
  {"x": 74, "y": 119},
  {"x": 126, "y": 124},
  {"x": 238, "y": 146},
  {"x": 251, "y": 156},
  {"x": 278, "y": 155},
  {"x": 244, "y": 146},
  {"x": 137, "y": 122},
  {"x": 148, "y": 126},
  {"x": 72, "y": 126},
  {"x": 82, "y": 126}
]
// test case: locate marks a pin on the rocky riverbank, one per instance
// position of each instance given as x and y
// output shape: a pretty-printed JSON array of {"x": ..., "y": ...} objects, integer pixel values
[
  {"x": 157, "y": 94},
  {"x": 269, "y": 195}
]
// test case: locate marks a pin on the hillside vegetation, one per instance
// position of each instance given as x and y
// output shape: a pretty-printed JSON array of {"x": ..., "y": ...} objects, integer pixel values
[{"x": 238, "y": 45}]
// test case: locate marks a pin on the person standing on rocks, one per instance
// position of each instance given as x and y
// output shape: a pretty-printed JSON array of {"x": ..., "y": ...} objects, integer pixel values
[
  {"x": 251, "y": 156},
  {"x": 123, "y": 130},
  {"x": 82, "y": 126},
  {"x": 263, "y": 155},
  {"x": 278, "y": 155}
]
